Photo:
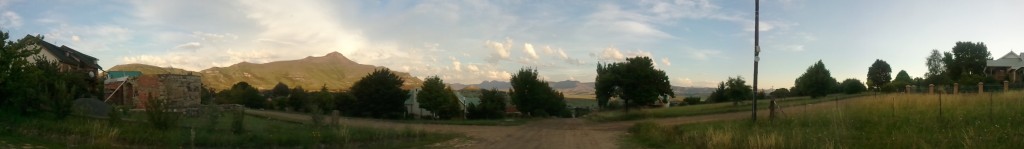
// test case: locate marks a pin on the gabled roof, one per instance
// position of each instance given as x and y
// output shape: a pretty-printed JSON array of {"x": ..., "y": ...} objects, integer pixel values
[
  {"x": 65, "y": 54},
  {"x": 1011, "y": 60}
]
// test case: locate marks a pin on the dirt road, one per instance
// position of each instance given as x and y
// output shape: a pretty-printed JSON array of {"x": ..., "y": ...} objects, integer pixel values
[{"x": 549, "y": 133}]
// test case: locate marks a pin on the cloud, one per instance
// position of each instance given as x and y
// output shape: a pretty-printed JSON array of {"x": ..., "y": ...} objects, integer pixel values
[
  {"x": 614, "y": 54},
  {"x": 189, "y": 46},
  {"x": 472, "y": 68},
  {"x": 703, "y": 54},
  {"x": 10, "y": 19},
  {"x": 456, "y": 65},
  {"x": 666, "y": 62},
  {"x": 501, "y": 50},
  {"x": 528, "y": 48}
]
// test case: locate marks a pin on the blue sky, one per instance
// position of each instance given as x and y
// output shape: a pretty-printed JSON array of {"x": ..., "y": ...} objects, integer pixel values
[{"x": 697, "y": 42}]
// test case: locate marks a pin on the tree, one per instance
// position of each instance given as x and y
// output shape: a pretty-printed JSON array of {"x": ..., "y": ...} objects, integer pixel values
[
  {"x": 534, "y": 96},
  {"x": 635, "y": 81},
  {"x": 737, "y": 90},
  {"x": 936, "y": 63},
  {"x": 970, "y": 58},
  {"x": 345, "y": 102},
  {"x": 18, "y": 79},
  {"x": 380, "y": 95},
  {"x": 322, "y": 100},
  {"x": 492, "y": 105},
  {"x": 439, "y": 99},
  {"x": 852, "y": 86},
  {"x": 879, "y": 74},
  {"x": 245, "y": 94},
  {"x": 780, "y": 93},
  {"x": 280, "y": 90},
  {"x": 817, "y": 81},
  {"x": 902, "y": 79},
  {"x": 298, "y": 99},
  {"x": 719, "y": 94}
]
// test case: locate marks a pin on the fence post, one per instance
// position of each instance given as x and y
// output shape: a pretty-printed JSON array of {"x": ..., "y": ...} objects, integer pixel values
[
  {"x": 956, "y": 88},
  {"x": 981, "y": 87},
  {"x": 931, "y": 88},
  {"x": 1006, "y": 86}
]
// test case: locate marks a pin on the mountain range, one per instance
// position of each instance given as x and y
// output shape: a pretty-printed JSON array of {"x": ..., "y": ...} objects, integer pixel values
[{"x": 333, "y": 70}]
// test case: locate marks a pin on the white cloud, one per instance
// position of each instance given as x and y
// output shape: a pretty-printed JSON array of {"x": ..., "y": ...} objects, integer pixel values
[
  {"x": 666, "y": 62},
  {"x": 457, "y": 65},
  {"x": 75, "y": 38},
  {"x": 562, "y": 55},
  {"x": 501, "y": 50},
  {"x": 10, "y": 19},
  {"x": 703, "y": 54},
  {"x": 614, "y": 54},
  {"x": 528, "y": 48},
  {"x": 189, "y": 46},
  {"x": 472, "y": 68}
]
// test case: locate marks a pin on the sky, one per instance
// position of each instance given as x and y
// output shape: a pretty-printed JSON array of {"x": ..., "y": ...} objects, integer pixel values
[{"x": 698, "y": 43}]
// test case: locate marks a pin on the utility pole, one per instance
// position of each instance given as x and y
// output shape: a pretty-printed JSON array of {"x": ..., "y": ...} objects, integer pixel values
[{"x": 757, "y": 51}]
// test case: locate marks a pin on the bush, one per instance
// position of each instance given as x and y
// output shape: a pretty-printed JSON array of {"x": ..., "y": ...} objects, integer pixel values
[
  {"x": 692, "y": 100},
  {"x": 238, "y": 121},
  {"x": 539, "y": 113},
  {"x": 160, "y": 114}
]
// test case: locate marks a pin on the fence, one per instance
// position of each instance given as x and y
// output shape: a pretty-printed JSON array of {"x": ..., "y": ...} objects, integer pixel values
[{"x": 962, "y": 88}]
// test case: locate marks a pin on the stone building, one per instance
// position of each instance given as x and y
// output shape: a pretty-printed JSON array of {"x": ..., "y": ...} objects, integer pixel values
[{"x": 136, "y": 91}]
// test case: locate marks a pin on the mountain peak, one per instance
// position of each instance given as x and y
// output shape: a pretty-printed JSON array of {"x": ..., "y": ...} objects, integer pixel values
[{"x": 334, "y": 54}]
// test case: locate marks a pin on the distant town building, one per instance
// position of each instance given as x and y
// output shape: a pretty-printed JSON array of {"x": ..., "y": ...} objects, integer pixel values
[{"x": 1006, "y": 68}]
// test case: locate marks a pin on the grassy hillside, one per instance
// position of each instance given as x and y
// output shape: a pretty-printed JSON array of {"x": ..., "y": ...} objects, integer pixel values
[
  {"x": 332, "y": 70},
  {"x": 885, "y": 121},
  {"x": 149, "y": 69}
]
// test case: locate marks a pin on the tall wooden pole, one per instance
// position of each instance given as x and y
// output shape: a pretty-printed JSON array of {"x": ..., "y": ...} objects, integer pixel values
[{"x": 757, "y": 51}]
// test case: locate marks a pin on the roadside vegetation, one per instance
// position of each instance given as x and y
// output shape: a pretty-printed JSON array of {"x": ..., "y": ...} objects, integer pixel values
[
  {"x": 989, "y": 120},
  {"x": 258, "y": 132},
  {"x": 790, "y": 103}
]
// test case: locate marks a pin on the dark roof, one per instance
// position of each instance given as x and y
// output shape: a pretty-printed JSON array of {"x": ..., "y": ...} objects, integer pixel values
[{"x": 65, "y": 54}]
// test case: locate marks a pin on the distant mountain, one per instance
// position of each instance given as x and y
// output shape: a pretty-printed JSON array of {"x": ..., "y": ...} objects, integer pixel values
[
  {"x": 499, "y": 85},
  {"x": 149, "y": 69},
  {"x": 333, "y": 70}
]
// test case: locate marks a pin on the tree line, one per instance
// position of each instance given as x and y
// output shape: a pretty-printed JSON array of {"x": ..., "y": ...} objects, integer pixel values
[{"x": 379, "y": 95}]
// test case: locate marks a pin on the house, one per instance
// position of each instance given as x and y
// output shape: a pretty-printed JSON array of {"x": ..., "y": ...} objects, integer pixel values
[
  {"x": 68, "y": 59},
  {"x": 1006, "y": 68},
  {"x": 413, "y": 107}
]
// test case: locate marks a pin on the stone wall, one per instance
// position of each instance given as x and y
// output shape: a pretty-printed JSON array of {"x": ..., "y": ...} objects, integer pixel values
[{"x": 182, "y": 90}]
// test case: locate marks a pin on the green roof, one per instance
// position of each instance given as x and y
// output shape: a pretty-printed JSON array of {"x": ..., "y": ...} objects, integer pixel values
[{"x": 120, "y": 74}]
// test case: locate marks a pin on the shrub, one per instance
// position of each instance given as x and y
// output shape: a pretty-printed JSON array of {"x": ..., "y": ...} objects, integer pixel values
[
  {"x": 692, "y": 100},
  {"x": 160, "y": 114},
  {"x": 238, "y": 121}
]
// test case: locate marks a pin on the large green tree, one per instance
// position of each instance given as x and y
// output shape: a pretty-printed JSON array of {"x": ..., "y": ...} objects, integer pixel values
[
  {"x": 852, "y": 86},
  {"x": 492, "y": 105},
  {"x": 245, "y": 94},
  {"x": 298, "y": 98},
  {"x": 780, "y": 93},
  {"x": 534, "y": 96},
  {"x": 816, "y": 82},
  {"x": 280, "y": 90},
  {"x": 936, "y": 68},
  {"x": 879, "y": 74},
  {"x": 635, "y": 81},
  {"x": 380, "y": 95},
  {"x": 737, "y": 90},
  {"x": 902, "y": 79},
  {"x": 719, "y": 94},
  {"x": 18, "y": 78},
  {"x": 436, "y": 97},
  {"x": 970, "y": 58}
]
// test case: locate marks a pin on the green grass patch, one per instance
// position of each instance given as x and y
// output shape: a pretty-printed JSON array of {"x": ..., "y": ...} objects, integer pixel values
[
  {"x": 885, "y": 121},
  {"x": 711, "y": 108},
  {"x": 83, "y": 132}
]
